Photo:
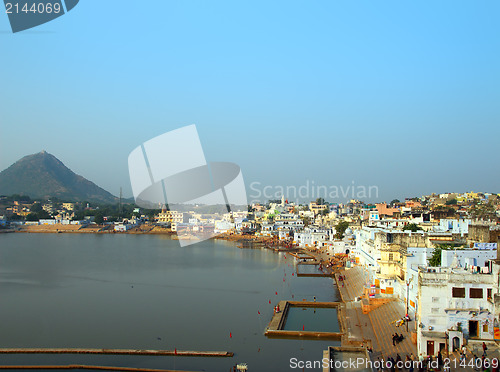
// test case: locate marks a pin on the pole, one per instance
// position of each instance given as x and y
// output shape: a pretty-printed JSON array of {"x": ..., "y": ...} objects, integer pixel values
[{"x": 407, "y": 299}]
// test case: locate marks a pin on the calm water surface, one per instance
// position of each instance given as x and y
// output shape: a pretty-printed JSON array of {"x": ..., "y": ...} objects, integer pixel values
[
  {"x": 320, "y": 319},
  {"x": 146, "y": 292},
  {"x": 308, "y": 269}
]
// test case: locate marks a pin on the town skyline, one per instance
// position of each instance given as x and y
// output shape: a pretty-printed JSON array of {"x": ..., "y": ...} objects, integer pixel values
[
  {"x": 258, "y": 192},
  {"x": 190, "y": 185},
  {"x": 379, "y": 93}
]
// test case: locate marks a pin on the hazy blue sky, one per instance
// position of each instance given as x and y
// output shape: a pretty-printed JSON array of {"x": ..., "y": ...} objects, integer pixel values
[{"x": 400, "y": 94}]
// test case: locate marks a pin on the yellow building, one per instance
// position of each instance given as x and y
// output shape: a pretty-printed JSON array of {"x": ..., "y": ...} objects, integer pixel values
[
  {"x": 68, "y": 206},
  {"x": 170, "y": 217},
  {"x": 391, "y": 262},
  {"x": 472, "y": 195},
  {"x": 316, "y": 208}
]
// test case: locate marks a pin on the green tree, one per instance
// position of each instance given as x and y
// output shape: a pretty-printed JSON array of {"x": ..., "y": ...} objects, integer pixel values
[
  {"x": 451, "y": 202},
  {"x": 340, "y": 229},
  {"x": 151, "y": 213},
  {"x": 306, "y": 221},
  {"x": 411, "y": 227},
  {"x": 36, "y": 207},
  {"x": 43, "y": 215},
  {"x": 435, "y": 259},
  {"x": 320, "y": 201},
  {"x": 395, "y": 201},
  {"x": 15, "y": 217},
  {"x": 79, "y": 215},
  {"x": 98, "y": 218},
  {"x": 32, "y": 217},
  {"x": 21, "y": 198}
]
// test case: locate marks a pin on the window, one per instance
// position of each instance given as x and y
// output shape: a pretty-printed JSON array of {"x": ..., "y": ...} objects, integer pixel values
[
  {"x": 485, "y": 328},
  {"x": 435, "y": 299},
  {"x": 489, "y": 293},
  {"x": 476, "y": 293},
  {"x": 458, "y": 292},
  {"x": 391, "y": 256},
  {"x": 434, "y": 310}
]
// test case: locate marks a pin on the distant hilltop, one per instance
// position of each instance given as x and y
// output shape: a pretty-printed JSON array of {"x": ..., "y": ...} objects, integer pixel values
[{"x": 42, "y": 175}]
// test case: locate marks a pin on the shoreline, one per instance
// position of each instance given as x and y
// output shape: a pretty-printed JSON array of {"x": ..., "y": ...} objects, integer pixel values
[{"x": 270, "y": 242}]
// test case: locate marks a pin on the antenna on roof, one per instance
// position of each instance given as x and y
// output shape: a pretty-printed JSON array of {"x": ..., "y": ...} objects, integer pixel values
[{"x": 120, "y": 205}]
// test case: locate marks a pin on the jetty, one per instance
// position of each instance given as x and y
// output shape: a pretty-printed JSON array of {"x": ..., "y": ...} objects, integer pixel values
[
  {"x": 88, "y": 367},
  {"x": 183, "y": 353}
]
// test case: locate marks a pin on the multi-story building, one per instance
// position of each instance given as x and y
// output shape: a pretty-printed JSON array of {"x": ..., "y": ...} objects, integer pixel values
[
  {"x": 317, "y": 208},
  {"x": 68, "y": 206},
  {"x": 453, "y": 225},
  {"x": 170, "y": 217},
  {"x": 385, "y": 253},
  {"x": 312, "y": 237},
  {"x": 456, "y": 306},
  {"x": 384, "y": 210},
  {"x": 288, "y": 221}
]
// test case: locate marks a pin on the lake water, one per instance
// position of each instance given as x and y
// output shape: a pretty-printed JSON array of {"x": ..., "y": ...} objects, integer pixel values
[
  {"x": 146, "y": 292},
  {"x": 320, "y": 319},
  {"x": 308, "y": 269}
]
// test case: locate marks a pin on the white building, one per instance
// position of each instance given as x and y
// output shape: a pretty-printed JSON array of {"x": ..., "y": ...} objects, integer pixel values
[
  {"x": 455, "y": 305},
  {"x": 369, "y": 254},
  {"x": 453, "y": 226},
  {"x": 312, "y": 237},
  {"x": 267, "y": 229},
  {"x": 467, "y": 257},
  {"x": 122, "y": 227},
  {"x": 288, "y": 221},
  {"x": 374, "y": 216},
  {"x": 223, "y": 227}
]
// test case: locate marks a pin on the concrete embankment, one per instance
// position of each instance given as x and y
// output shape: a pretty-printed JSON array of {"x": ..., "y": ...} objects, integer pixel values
[
  {"x": 276, "y": 326},
  {"x": 116, "y": 352},
  {"x": 87, "y": 367}
]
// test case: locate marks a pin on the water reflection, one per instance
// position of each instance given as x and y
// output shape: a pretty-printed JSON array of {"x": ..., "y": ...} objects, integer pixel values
[{"x": 144, "y": 291}]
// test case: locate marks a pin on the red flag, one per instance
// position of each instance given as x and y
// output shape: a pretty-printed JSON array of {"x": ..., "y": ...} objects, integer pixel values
[
  {"x": 258, "y": 312},
  {"x": 175, "y": 351},
  {"x": 283, "y": 279},
  {"x": 303, "y": 327},
  {"x": 269, "y": 301},
  {"x": 276, "y": 293},
  {"x": 230, "y": 335},
  {"x": 293, "y": 274}
]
